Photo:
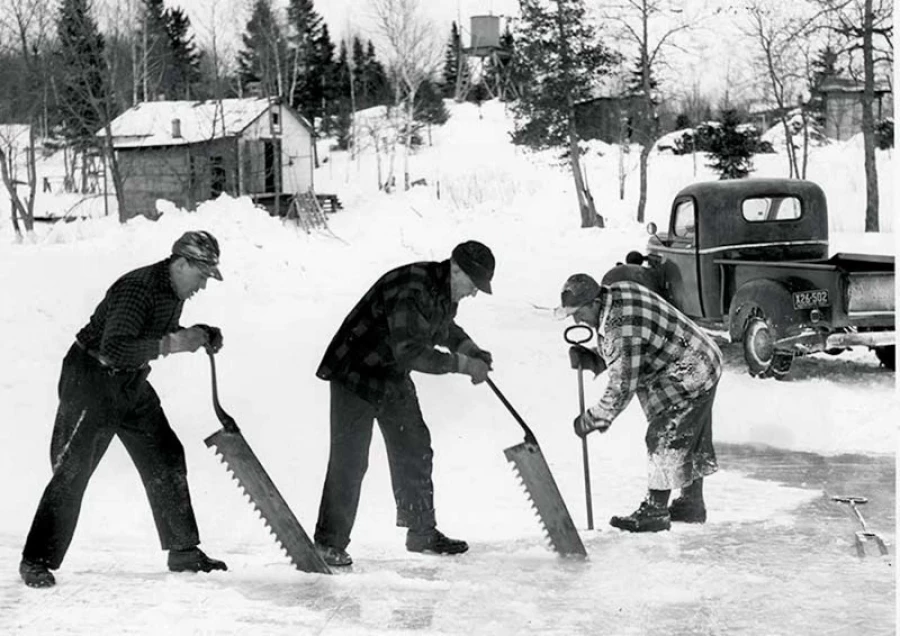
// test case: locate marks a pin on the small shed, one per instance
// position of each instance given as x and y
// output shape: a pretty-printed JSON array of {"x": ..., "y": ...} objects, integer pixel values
[
  {"x": 191, "y": 151},
  {"x": 843, "y": 106}
]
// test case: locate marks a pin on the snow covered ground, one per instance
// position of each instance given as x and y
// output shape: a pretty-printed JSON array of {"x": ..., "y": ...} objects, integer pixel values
[{"x": 776, "y": 556}]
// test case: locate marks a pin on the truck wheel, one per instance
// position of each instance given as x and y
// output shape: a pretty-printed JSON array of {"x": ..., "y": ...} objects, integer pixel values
[
  {"x": 759, "y": 350},
  {"x": 887, "y": 356}
]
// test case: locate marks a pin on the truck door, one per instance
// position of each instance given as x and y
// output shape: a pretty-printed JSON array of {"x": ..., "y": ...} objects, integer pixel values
[{"x": 680, "y": 255}]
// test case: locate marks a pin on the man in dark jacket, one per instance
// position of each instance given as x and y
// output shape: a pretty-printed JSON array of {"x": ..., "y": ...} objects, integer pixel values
[
  {"x": 650, "y": 349},
  {"x": 393, "y": 330},
  {"x": 104, "y": 392}
]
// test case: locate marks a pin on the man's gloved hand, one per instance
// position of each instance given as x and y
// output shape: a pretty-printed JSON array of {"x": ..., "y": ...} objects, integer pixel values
[
  {"x": 214, "y": 337},
  {"x": 587, "y": 359},
  {"x": 475, "y": 368},
  {"x": 585, "y": 423},
  {"x": 484, "y": 356},
  {"x": 189, "y": 339},
  {"x": 472, "y": 350}
]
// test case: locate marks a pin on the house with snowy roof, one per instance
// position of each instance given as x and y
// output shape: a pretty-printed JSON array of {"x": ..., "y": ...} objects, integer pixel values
[{"x": 191, "y": 151}]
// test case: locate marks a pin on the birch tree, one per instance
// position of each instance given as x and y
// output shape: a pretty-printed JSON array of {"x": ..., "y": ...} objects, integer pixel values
[{"x": 414, "y": 52}]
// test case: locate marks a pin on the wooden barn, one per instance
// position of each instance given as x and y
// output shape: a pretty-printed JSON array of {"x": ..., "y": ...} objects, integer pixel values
[
  {"x": 843, "y": 106},
  {"x": 191, "y": 151}
]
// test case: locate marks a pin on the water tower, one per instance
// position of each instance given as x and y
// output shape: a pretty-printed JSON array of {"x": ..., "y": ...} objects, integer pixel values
[{"x": 484, "y": 53}]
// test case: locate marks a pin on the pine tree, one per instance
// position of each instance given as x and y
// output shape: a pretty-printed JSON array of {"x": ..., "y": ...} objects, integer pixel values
[
  {"x": 83, "y": 88},
  {"x": 731, "y": 150},
  {"x": 306, "y": 58},
  {"x": 376, "y": 78},
  {"x": 154, "y": 51},
  {"x": 343, "y": 98},
  {"x": 560, "y": 58},
  {"x": 451, "y": 63},
  {"x": 430, "y": 107},
  {"x": 184, "y": 69},
  {"x": 323, "y": 80},
  {"x": 264, "y": 55}
]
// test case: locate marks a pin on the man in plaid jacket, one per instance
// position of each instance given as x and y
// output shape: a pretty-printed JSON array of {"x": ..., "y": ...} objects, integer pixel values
[
  {"x": 104, "y": 393},
  {"x": 394, "y": 330},
  {"x": 651, "y": 349}
]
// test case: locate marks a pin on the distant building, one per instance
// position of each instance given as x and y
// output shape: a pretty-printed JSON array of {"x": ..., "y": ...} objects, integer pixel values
[
  {"x": 190, "y": 151},
  {"x": 843, "y": 106}
]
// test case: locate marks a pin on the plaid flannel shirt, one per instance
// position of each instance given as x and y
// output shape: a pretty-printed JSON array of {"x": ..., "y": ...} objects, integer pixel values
[
  {"x": 653, "y": 350},
  {"x": 393, "y": 330},
  {"x": 138, "y": 309}
]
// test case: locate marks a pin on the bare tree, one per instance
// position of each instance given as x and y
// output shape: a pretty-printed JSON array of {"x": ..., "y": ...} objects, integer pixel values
[
  {"x": 866, "y": 27},
  {"x": 782, "y": 34},
  {"x": 414, "y": 52},
  {"x": 650, "y": 25}
]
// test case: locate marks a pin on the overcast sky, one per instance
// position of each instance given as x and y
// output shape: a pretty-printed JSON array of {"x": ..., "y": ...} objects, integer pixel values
[{"x": 707, "y": 58}]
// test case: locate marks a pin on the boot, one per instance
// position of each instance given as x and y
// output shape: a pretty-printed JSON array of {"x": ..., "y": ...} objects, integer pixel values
[
  {"x": 434, "y": 541},
  {"x": 193, "y": 560},
  {"x": 36, "y": 574},
  {"x": 647, "y": 518},
  {"x": 687, "y": 510},
  {"x": 334, "y": 556}
]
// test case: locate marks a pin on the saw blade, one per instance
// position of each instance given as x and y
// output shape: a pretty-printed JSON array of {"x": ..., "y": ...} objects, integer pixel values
[
  {"x": 246, "y": 469},
  {"x": 534, "y": 474}
]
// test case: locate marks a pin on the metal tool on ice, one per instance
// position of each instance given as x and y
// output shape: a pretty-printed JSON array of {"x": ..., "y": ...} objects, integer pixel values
[
  {"x": 588, "y": 499},
  {"x": 247, "y": 470},
  {"x": 864, "y": 535},
  {"x": 529, "y": 462}
]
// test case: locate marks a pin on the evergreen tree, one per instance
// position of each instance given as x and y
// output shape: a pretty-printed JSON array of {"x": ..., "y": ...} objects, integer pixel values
[
  {"x": 323, "y": 81},
  {"x": 307, "y": 53},
  {"x": 154, "y": 51},
  {"x": 429, "y": 106},
  {"x": 731, "y": 150},
  {"x": 83, "y": 88},
  {"x": 184, "y": 69},
  {"x": 264, "y": 55},
  {"x": 560, "y": 59},
  {"x": 452, "y": 63},
  {"x": 343, "y": 98}
]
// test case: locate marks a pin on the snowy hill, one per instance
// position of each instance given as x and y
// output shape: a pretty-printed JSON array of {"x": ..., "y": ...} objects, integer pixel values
[{"x": 776, "y": 556}]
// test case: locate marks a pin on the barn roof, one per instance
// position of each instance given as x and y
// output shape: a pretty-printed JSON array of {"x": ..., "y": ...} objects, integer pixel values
[{"x": 151, "y": 123}]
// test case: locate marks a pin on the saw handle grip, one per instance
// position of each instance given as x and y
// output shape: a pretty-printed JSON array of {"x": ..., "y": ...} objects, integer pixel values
[
  {"x": 577, "y": 340},
  {"x": 227, "y": 421}
]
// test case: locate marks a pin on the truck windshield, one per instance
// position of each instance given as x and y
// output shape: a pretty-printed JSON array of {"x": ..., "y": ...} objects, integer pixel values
[{"x": 761, "y": 209}]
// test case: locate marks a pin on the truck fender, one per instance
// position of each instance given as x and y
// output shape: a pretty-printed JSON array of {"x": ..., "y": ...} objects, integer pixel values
[
  {"x": 766, "y": 299},
  {"x": 759, "y": 315}
]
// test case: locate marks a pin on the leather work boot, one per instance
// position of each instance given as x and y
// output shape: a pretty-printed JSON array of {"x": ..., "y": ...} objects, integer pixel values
[
  {"x": 36, "y": 574},
  {"x": 687, "y": 511},
  {"x": 193, "y": 560},
  {"x": 647, "y": 518},
  {"x": 434, "y": 541},
  {"x": 335, "y": 557}
]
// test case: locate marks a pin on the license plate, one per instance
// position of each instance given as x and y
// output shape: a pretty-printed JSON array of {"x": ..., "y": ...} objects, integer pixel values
[{"x": 810, "y": 299}]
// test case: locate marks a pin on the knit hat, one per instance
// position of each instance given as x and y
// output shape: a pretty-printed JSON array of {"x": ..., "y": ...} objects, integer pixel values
[
  {"x": 477, "y": 261},
  {"x": 201, "y": 249},
  {"x": 578, "y": 290}
]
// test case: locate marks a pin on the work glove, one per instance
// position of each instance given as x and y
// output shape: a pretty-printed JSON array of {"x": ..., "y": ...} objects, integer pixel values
[
  {"x": 587, "y": 359},
  {"x": 475, "y": 368},
  {"x": 213, "y": 335},
  {"x": 585, "y": 423},
  {"x": 472, "y": 350},
  {"x": 189, "y": 339}
]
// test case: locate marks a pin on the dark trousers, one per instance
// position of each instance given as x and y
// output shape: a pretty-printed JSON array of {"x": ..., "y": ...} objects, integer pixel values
[
  {"x": 408, "y": 444},
  {"x": 94, "y": 406}
]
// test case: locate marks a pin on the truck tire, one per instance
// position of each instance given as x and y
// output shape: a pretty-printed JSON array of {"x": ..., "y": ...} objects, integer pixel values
[
  {"x": 763, "y": 361},
  {"x": 887, "y": 356}
]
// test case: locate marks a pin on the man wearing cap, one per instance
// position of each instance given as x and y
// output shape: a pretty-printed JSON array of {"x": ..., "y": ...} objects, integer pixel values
[
  {"x": 104, "y": 392},
  {"x": 394, "y": 330},
  {"x": 651, "y": 349}
]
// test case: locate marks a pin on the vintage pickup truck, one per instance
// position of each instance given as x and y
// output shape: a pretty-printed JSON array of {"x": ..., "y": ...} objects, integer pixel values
[{"x": 751, "y": 256}]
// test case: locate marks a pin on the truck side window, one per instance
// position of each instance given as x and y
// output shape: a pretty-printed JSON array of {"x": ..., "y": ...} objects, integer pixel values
[
  {"x": 684, "y": 219},
  {"x": 761, "y": 209}
]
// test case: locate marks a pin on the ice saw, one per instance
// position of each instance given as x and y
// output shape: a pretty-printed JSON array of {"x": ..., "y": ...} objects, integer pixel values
[
  {"x": 240, "y": 459},
  {"x": 529, "y": 463}
]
